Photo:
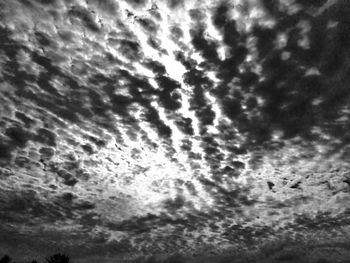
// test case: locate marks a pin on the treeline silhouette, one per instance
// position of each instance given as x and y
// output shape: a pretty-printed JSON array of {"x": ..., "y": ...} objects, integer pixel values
[{"x": 56, "y": 258}]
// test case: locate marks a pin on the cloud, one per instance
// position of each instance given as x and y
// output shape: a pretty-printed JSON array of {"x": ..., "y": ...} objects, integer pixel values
[{"x": 112, "y": 147}]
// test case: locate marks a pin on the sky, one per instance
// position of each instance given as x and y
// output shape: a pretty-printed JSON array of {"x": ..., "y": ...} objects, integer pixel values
[{"x": 214, "y": 130}]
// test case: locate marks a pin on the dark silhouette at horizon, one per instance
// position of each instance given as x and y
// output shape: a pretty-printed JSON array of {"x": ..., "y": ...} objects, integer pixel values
[
  {"x": 55, "y": 258},
  {"x": 5, "y": 259}
]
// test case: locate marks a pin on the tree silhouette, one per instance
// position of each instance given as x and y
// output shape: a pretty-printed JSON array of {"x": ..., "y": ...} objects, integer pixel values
[
  {"x": 5, "y": 259},
  {"x": 58, "y": 258}
]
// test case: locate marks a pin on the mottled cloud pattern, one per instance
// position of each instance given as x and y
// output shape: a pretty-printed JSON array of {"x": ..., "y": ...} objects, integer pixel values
[{"x": 135, "y": 128}]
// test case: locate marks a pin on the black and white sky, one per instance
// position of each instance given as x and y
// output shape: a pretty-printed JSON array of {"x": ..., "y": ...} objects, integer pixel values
[{"x": 151, "y": 128}]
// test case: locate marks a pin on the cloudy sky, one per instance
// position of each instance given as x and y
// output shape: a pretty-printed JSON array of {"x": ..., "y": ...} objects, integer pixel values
[{"x": 201, "y": 128}]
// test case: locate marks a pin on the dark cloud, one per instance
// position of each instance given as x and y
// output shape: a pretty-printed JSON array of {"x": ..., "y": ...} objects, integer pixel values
[
  {"x": 312, "y": 3},
  {"x": 206, "y": 115},
  {"x": 24, "y": 118},
  {"x": 107, "y": 6},
  {"x": 185, "y": 125},
  {"x": 288, "y": 257},
  {"x": 25, "y": 162},
  {"x": 176, "y": 258},
  {"x": 5, "y": 150},
  {"x": 97, "y": 141},
  {"x": 18, "y": 135},
  {"x": 138, "y": 2},
  {"x": 238, "y": 164},
  {"x": 97, "y": 105},
  {"x": 174, "y": 204},
  {"x": 152, "y": 116},
  {"x": 229, "y": 67},
  {"x": 26, "y": 205},
  {"x": 231, "y": 37},
  {"x": 297, "y": 116},
  {"x": 200, "y": 82},
  {"x": 44, "y": 83},
  {"x": 168, "y": 95},
  {"x": 220, "y": 16},
  {"x": 85, "y": 17},
  {"x": 120, "y": 103},
  {"x": 43, "y": 39},
  {"x": 46, "y": 63},
  {"x": 320, "y": 221},
  {"x": 271, "y": 6},
  {"x": 208, "y": 48},
  {"x": 129, "y": 48},
  {"x": 232, "y": 108},
  {"x": 173, "y": 4},
  {"x": 197, "y": 14},
  {"x": 270, "y": 185},
  {"x": 265, "y": 40},
  {"x": 45, "y": 136},
  {"x": 148, "y": 24},
  {"x": 156, "y": 67},
  {"x": 84, "y": 205},
  {"x": 87, "y": 148},
  {"x": 46, "y": 2}
]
